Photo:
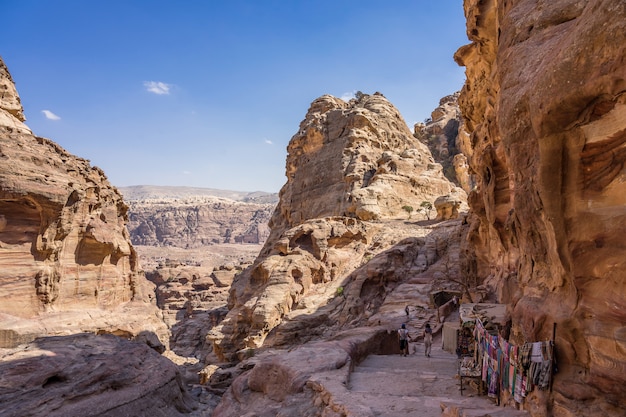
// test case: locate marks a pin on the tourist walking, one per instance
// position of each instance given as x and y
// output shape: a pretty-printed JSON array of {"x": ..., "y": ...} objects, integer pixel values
[
  {"x": 403, "y": 337},
  {"x": 428, "y": 339}
]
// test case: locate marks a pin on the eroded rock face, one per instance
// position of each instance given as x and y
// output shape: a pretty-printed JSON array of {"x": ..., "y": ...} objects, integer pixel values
[
  {"x": 448, "y": 140},
  {"x": 356, "y": 159},
  {"x": 545, "y": 99},
  {"x": 197, "y": 220},
  {"x": 351, "y": 168},
  {"x": 89, "y": 375},
  {"x": 64, "y": 247},
  {"x": 308, "y": 356},
  {"x": 12, "y": 114}
]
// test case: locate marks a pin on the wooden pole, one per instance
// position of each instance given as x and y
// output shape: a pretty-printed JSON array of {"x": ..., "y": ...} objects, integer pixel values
[{"x": 552, "y": 354}]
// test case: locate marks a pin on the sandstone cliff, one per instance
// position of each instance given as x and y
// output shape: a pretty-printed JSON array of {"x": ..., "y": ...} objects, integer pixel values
[
  {"x": 445, "y": 135},
  {"x": 348, "y": 165},
  {"x": 67, "y": 267},
  {"x": 545, "y": 100},
  {"x": 197, "y": 220},
  {"x": 64, "y": 248},
  {"x": 343, "y": 260},
  {"x": 356, "y": 159}
]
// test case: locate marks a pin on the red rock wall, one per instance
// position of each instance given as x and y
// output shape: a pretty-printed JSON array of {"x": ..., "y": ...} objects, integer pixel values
[
  {"x": 193, "y": 223},
  {"x": 64, "y": 242},
  {"x": 64, "y": 246},
  {"x": 545, "y": 99}
]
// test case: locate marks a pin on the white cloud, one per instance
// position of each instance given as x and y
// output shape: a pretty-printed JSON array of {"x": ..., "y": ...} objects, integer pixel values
[
  {"x": 186, "y": 172},
  {"x": 348, "y": 96},
  {"x": 157, "y": 87},
  {"x": 49, "y": 115},
  {"x": 269, "y": 142}
]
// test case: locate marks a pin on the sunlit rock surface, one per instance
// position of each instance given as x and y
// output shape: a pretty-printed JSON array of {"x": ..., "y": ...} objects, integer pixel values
[
  {"x": 188, "y": 217},
  {"x": 445, "y": 135},
  {"x": 347, "y": 253},
  {"x": 350, "y": 163},
  {"x": 545, "y": 99},
  {"x": 356, "y": 159},
  {"x": 66, "y": 262}
]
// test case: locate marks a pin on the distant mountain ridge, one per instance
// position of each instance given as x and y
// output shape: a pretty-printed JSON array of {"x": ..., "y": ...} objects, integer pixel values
[
  {"x": 164, "y": 192},
  {"x": 192, "y": 217}
]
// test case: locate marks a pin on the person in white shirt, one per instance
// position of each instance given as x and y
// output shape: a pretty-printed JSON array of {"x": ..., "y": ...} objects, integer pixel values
[{"x": 403, "y": 337}]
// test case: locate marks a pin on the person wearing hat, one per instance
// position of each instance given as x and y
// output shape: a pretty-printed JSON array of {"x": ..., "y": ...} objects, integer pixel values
[{"x": 403, "y": 337}]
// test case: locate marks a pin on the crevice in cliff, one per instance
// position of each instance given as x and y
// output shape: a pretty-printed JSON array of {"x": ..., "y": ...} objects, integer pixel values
[{"x": 602, "y": 162}]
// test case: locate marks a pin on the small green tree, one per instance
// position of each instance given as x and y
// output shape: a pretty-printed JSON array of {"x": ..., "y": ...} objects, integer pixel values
[
  {"x": 426, "y": 207},
  {"x": 339, "y": 292},
  {"x": 408, "y": 209}
]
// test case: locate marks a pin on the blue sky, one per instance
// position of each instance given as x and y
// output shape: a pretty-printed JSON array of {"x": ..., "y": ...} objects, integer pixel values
[{"x": 209, "y": 93}]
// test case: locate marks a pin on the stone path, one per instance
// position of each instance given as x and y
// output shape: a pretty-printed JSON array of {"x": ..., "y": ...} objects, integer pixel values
[{"x": 393, "y": 385}]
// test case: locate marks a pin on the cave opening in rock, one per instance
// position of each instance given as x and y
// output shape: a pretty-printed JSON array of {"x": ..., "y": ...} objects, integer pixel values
[{"x": 439, "y": 298}]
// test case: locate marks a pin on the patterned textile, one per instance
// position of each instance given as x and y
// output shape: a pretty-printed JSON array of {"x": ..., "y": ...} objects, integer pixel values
[{"x": 512, "y": 368}]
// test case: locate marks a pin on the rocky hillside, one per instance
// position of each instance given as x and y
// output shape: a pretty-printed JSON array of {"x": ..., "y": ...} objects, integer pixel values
[
  {"x": 545, "y": 99},
  {"x": 343, "y": 259},
  {"x": 348, "y": 156},
  {"x": 64, "y": 246},
  {"x": 445, "y": 135},
  {"x": 351, "y": 244},
  {"x": 187, "y": 217},
  {"x": 67, "y": 267}
]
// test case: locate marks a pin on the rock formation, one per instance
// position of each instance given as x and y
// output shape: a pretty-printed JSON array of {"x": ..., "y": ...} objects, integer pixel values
[
  {"x": 349, "y": 164},
  {"x": 545, "y": 100},
  {"x": 64, "y": 248},
  {"x": 356, "y": 159},
  {"x": 342, "y": 262},
  {"x": 445, "y": 135},
  {"x": 68, "y": 272},
  {"x": 89, "y": 375},
  {"x": 195, "y": 217},
  {"x": 193, "y": 300},
  {"x": 192, "y": 241}
]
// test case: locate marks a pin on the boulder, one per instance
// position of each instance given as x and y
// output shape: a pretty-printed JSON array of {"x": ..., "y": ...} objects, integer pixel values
[{"x": 89, "y": 375}]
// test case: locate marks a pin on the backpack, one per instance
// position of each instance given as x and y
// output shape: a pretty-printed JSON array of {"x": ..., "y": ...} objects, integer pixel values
[{"x": 404, "y": 333}]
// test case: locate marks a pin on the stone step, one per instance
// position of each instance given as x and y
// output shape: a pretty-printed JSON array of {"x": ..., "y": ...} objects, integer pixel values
[
  {"x": 396, "y": 385},
  {"x": 392, "y": 406}
]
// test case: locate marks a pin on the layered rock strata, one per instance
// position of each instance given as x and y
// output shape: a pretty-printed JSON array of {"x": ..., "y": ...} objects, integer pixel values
[
  {"x": 333, "y": 281},
  {"x": 545, "y": 99},
  {"x": 66, "y": 261},
  {"x": 89, "y": 375},
  {"x": 351, "y": 163},
  {"x": 445, "y": 135},
  {"x": 197, "y": 221}
]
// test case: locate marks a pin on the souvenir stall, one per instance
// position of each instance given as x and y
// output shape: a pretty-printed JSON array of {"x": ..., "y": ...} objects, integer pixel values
[
  {"x": 502, "y": 366},
  {"x": 470, "y": 363}
]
